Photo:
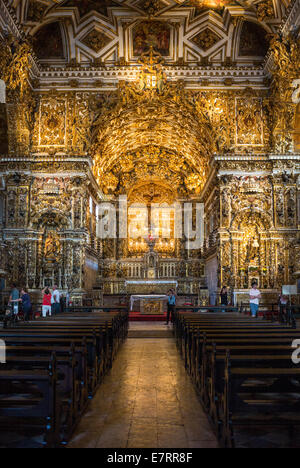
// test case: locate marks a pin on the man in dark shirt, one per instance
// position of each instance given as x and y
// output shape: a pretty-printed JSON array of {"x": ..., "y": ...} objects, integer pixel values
[
  {"x": 26, "y": 304},
  {"x": 224, "y": 297}
]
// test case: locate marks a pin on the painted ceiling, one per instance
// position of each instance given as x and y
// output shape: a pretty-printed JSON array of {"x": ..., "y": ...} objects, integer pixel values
[{"x": 182, "y": 31}]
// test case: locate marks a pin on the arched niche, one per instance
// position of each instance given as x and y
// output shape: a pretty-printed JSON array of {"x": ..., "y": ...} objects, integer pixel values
[
  {"x": 248, "y": 218},
  {"x": 252, "y": 249},
  {"x": 49, "y": 42},
  {"x": 252, "y": 42}
]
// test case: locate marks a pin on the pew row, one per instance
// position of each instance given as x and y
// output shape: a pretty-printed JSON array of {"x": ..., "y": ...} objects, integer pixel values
[
  {"x": 243, "y": 371},
  {"x": 53, "y": 368}
]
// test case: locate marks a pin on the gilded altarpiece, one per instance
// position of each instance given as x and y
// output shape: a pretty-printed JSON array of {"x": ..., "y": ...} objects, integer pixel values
[
  {"x": 231, "y": 148},
  {"x": 258, "y": 222}
]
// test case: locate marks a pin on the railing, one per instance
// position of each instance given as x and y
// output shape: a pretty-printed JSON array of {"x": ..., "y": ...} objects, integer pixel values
[
  {"x": 91, "y": 309},
  {"x": 220, "y": 308},
  {"x": 271, "y": 307},
  {"x": 283, "y": 313}
]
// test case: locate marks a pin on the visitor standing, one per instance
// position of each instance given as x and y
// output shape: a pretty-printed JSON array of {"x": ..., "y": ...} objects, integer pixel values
[
  {"x": 26, "y": 304},
  {"x": 46, "y": 308},
  {"x": 255, "y": 297},
  {"x": 171, "y": 305},
  {"x": 55, "y": 301},
  {"x": 14, "y": 299},
  {"x": 283, "y": 303},
  {"x": 224, "y": 297}
]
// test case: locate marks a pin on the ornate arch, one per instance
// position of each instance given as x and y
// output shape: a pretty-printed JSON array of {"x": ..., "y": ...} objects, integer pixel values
[
  {"x": 49, "y": 218},
  {"x": 250, "y": 27},
  {"x": 156, "y": 126},
  {"x": 152, "y": 191},
  {"x": 252, "y": 216},
  {"x": 58, "y": 44},
  {"x": 249, "y": 254}
]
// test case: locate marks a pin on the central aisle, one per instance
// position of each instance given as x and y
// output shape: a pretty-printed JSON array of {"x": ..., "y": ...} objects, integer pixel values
[{"x": 147, "y": 401}]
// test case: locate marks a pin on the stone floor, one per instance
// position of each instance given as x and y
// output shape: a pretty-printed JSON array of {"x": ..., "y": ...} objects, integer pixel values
[
  {"x": 150, "y": 330},
  {"x": 147, "y": 401}
]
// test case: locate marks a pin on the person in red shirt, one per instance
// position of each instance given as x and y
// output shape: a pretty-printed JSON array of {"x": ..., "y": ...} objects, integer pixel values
[{"x": 46, "y": 302}]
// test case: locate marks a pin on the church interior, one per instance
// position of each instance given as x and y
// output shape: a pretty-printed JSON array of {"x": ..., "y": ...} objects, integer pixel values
[{"x": 149, "y": 153}]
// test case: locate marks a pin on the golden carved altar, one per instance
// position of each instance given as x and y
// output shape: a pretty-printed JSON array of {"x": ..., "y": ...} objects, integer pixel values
[{"x": 153, "y": 307}]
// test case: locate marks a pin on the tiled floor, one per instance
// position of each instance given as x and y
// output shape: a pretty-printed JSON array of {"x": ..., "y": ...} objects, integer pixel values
[{"x": 147, "y": 401}]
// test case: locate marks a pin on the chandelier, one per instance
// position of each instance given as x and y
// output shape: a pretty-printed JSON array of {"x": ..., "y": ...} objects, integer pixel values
[
  {"x": 165, "y": 246},
  {"x": 137, "y": 246}
]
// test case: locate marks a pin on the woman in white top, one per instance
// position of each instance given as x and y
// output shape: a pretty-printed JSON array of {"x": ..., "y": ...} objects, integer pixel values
[
  {"x": 55, "y": 301},
  {"x": 255, "y": 296}
]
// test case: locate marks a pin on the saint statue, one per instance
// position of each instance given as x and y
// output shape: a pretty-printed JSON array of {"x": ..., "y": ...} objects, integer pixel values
[
  {"x": 52, "y": 246},
  {"x": 142, "y": 81},
  {"x": 161, "y": 79},
  {"x": 252, "y": 249}
]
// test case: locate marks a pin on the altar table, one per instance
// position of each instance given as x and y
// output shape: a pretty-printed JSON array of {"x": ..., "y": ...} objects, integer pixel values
[{"x": 151, "y": 298}]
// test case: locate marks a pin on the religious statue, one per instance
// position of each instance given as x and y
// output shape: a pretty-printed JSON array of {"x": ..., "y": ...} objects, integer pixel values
[
  {"x": 252, "y": 249},
  {"x": 161, "y": 80},
  {"x": 152, "y": 76},
  {"x": 142, "y": 81},
  {"x": 52, "y": 247}
]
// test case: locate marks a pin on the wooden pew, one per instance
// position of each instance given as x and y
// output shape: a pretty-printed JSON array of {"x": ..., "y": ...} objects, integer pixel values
[
  {"x": 109, "y": 334},
  {"x": 213, "y": 370},
  {"x": 206, "y": 342},
  {"x": 29, "y": 403},
  {"x": 259, "y": 397},
  {"x": 192, "y": 342},
  {"x": 71, "y": 379},
  {"x": 95, "y": 365},
  {"x": 85, "y": 347}
]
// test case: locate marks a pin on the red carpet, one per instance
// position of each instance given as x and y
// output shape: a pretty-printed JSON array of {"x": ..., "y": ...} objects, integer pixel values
[
  {"x": 138, "y": 317},
  {"x": 260, "y": 314}
]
